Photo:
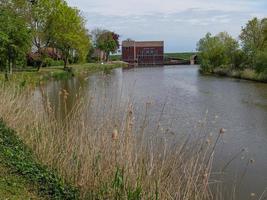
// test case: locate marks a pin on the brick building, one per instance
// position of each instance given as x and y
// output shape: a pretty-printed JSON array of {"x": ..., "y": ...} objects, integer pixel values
[{"x": 143, "y": 52}]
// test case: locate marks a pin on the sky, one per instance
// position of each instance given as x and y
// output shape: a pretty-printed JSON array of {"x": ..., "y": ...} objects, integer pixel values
[{"x": 179, "y": 23}]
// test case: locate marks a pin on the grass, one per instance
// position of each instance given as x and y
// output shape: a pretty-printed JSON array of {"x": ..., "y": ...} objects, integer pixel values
[
  {"x": 109, "y": 152},
  {"x": 24, "y": 170},
  {"x": 116, "y": 57},
  {"x": 14, "y": 187},
  {"x": 33, "y": 78},
  {"x": 182, "y": 55},
  {"x": 247, "y": 74}
]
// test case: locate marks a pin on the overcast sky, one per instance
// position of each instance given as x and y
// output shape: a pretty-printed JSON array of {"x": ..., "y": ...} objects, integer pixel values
[{"x": 180, "y": 23}]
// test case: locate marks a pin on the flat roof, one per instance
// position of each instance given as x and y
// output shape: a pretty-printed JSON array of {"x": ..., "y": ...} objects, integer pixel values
[{"x": 143, "y": 43}]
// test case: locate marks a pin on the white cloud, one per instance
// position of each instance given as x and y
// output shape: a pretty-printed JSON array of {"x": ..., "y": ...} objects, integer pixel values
[
  {"x": 179, "y": 23},
  {"x": 141, "y": 7}
]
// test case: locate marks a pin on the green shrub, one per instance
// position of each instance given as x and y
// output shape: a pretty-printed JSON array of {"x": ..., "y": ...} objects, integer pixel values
[
  {"x": 261, "y": 62},
  {"x": 47, "y": 62},
  {"x": 57, "y": 63}
]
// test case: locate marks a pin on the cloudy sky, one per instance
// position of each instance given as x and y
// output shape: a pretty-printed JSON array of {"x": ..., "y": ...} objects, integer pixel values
[{"x": 180, "y": 23}]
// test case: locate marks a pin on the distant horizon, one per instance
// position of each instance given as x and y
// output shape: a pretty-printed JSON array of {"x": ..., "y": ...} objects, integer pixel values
[{"x": 180, "y": 24}]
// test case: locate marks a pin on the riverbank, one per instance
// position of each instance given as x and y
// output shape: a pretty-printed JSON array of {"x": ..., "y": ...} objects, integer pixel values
[
  {"x": 21, "y": 175},
  {"x": 33, "y": 77},
  {"x": 247, "y": 74}
]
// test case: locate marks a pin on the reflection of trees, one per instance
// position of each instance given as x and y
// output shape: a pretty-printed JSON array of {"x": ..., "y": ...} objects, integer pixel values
[{"x": 62, "y": 96}]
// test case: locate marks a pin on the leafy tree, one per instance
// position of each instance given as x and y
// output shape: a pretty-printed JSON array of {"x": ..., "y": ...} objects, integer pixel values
[
  {"x": 218, "y": 51},
  {"x": 108, "y": 42},
  {"x": 95, "y": 34},
  {"x": 211, "y": 52},
  {"x": 252, "y": 38},
  {"x": 14, "y": 38},
  {"x": 38, "y": 21},
  {"x": 264, "y": 21},
  {"x": 68, "y": 32},
  {"x": 230, "y": 46}
]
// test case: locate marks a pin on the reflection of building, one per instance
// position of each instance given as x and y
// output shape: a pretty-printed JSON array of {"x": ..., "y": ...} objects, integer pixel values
[{"x": 143, "y": 53}]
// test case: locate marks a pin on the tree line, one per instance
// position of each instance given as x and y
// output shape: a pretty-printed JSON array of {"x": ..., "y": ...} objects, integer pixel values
[
  {"x": 35, "y": 25},
  {"x": 249, "y": 51}
]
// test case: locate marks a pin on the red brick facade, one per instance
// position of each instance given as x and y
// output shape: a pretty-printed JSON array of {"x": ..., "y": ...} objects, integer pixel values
[{"x": 143, "y": 53}]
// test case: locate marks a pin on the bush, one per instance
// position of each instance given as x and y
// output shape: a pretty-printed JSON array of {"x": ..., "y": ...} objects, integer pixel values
[
  {"x": 261, "y": 62},
  {"x": 47, "y": 62},
  {"x": 57, "y": 63}
]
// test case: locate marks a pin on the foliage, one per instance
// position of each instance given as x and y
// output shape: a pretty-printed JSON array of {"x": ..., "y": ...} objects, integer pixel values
[
  {"x": 252, "y": 39},
  {"x": 215, "y": 50},
  {"x": 222, "y": 54},
  {"x": 13, "y": 186},
  {"x": 40, "y": 12},
  {"x": 41, "y": 24},
  {"x": 95, "y": 34},
  {"x": 108, "y": 42},
  {"x": 261, "y": 62},
  {"x": 14, "y": 37},
  {"x": 19, "y": 158},
  {"x": 68, "y": 32}
]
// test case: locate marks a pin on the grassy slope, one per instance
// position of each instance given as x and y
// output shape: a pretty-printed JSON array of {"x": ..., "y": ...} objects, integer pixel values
[
  {"x": 14, "y": 187},
  {"x": 21, "y": 172},
  {"x": 33, "y": 77},
  {"x": 247, "y": 74}
]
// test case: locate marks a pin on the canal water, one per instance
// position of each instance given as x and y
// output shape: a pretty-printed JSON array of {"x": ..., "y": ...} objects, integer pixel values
[{"x": 188, "y": 99}]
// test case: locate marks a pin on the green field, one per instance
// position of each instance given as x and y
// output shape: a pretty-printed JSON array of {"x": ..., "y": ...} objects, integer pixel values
[{"x": 182, "y": 55}]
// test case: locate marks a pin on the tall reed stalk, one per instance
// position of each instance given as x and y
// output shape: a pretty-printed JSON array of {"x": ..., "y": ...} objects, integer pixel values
[{"x": 111, "y": 153}]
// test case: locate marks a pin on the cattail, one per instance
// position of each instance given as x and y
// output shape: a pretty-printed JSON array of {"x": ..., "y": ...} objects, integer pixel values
[
  {"x": 115, "y": 134},
  {"x": 252, "y": 194},
  {"x": 222, "y": 131},
  {"x": 208, "y": 142}
]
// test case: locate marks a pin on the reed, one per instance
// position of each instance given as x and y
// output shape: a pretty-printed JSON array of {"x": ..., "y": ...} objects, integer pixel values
[{"x": 110, "y": 152}]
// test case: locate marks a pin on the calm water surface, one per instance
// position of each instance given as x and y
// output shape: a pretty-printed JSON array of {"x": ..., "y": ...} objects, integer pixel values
[{"x": 238, "y": 106}]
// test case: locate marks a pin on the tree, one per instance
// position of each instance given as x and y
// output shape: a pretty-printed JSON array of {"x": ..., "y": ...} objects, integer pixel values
[
  {"x": 230, "y": 46},
  {"x": 95, "y": 34},
  {"x": 40, "y": 16},
  {"x": 252, "y": 38},
  {"x": 68, "y": 32},
  {"x": 218, "y": 51},
  {"x": 108, "y": 42},
  {"x": 14, "y": 38},
  {"x": 261, "y": 62},
  {"x": 264, "y": 21},
  {"x": 211, "y": 52}
]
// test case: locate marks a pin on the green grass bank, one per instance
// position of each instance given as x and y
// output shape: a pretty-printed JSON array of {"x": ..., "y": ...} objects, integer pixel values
[
  {"x": 33, "y": 77},
  {"x": 21, "y": 175},
  {"x": 247, "y": 74}
]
